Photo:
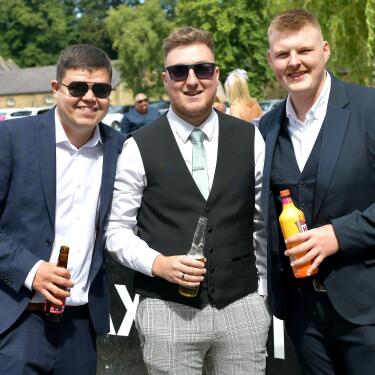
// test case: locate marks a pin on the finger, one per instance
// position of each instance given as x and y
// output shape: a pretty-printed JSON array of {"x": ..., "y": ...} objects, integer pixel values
[
  {"x": 62, "y": 282},
  {"x": 297, "y": 238},
  {"x": 318, "y": 260},
  {"x": 308, "y": 257},
  {"x": 58, "y": 292},
  {"x": 62, "y": 272},
  {"x": 50, "y": 298}
]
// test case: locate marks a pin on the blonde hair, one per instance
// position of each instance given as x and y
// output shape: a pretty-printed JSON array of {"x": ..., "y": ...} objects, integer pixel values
[
  {"x": 236, "y": 87},
  {"x": 293, "y": 20}
]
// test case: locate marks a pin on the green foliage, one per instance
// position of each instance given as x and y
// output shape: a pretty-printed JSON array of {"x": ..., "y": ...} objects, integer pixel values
[
  {"x": 137, "y": 34},
  {"x": 349, "y": 27},
  {"x": 32, "y": 32},
  {"x": 239, "y": 30}
]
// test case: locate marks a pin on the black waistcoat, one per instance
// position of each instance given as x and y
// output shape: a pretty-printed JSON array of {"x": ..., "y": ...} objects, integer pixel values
[
  {"x": 172, "y": 203},
  {"x": 285, "y": 174}
]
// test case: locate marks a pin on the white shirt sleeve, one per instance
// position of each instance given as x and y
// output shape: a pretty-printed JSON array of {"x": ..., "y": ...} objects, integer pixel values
[
  {"x": 259, "y": 233},
  {"x": 121, "y": 228},
  {"x": 28, "y": 283}
]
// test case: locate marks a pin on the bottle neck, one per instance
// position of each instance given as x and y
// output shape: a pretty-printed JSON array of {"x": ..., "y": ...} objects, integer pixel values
[{"x": 287, "y": 201}]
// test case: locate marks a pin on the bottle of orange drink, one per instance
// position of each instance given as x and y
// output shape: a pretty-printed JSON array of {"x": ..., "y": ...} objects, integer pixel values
[{"x": 292, "y": 221}]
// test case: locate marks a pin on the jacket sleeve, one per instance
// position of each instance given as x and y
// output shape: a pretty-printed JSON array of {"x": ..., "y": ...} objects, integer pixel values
[{"x": 15, "y": 260}]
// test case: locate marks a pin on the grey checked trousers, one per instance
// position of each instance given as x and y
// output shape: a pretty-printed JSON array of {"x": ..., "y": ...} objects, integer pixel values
[{"x": 181, "y": 340}]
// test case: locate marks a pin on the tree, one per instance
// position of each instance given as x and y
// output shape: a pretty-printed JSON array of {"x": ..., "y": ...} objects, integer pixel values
[
  {"x": 137, "y": 34},
  {"x": 239, "y": 30},
  {"x": 32, "y": 32},
  {"x": 90, "y": 22},
  {"x": 349, "y": 27}
]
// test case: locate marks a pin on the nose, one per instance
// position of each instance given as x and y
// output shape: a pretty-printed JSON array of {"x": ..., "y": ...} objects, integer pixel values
[
  {"x": 89, "y": 95},
  {"x": 191, "y": 79},
  {"x": 293, "y": 59}
]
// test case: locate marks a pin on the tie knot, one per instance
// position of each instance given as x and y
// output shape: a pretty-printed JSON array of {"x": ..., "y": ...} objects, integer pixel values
[{"x": 197, "y": 136}]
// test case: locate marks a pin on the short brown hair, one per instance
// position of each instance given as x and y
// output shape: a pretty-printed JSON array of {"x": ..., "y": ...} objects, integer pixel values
[
  {"x": 293, "y": 20},
  {"x": 185, "y": 36},
  {"x": 84, "y": 56}
]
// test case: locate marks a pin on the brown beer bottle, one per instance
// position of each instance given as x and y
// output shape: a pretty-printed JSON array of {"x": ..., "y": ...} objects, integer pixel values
[
  {"x": 196, "y": 252},
  {"x": 55, "y": 312},
  {"x": 292, "y": 221}
]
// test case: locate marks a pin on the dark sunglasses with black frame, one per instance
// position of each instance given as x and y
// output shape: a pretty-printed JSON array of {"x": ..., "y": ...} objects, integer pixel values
[
  {"x": 180, "y": 72},
  {"x": 80, "y": 88}
]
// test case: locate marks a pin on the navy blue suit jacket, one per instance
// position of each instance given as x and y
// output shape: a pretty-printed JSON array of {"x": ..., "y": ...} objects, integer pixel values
[
  {"x": 27, "y": 212},
  {"x": 344, "y": 197}
]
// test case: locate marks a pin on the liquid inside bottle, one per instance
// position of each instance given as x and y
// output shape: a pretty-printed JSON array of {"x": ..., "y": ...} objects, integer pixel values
[
  {"x": 196, "y": 252},
  {"x": 54, "y": 312},
  {"x": 292, "y": 221}
]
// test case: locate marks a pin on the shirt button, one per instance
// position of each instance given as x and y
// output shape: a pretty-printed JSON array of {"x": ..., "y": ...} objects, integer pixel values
[
  {"x": 212, "y": 289},
  {"x": 211, "y": 250},
  {"x": 48, "y": 242},
  {"x": 209, "y": 229}
]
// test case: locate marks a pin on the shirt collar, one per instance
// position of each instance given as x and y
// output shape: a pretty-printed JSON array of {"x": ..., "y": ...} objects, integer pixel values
[
  {"x": 62, "y": 138},
  {"x": 183, "y": 129},
  {"x": 317, "y": 110}
]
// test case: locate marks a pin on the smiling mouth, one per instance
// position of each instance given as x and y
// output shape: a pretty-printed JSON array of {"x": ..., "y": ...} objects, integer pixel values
[
  {"x": 87, "y": 109},
  {"x": 192, "y": 93},
  {"x": 296, "y": 74}
]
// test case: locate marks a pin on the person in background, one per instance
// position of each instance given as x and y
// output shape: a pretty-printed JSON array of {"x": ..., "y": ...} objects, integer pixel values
[
  {"x": 138, "y": 116},
  {"x": 242, "y": 105},
  {"x": 56, "y": 182},
  {"x": 194, "y": 162},
  {"x": 220, "y": 99},
  {"x": 320, "y": 144}
]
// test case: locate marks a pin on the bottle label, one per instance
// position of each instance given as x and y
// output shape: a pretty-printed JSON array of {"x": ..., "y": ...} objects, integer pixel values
[{"x": 301, "y": 225}]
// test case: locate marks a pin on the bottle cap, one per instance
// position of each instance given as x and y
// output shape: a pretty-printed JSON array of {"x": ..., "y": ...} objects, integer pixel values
[{"x": 284, "y": 193}]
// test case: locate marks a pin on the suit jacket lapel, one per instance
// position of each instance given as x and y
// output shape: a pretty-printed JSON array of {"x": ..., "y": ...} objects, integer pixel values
[
  {"x": 46, "y": 139},
  {"x": 110, "y": 151},
  {"x": 335, "y": 124},
  {"x": 270, "y": 140}
]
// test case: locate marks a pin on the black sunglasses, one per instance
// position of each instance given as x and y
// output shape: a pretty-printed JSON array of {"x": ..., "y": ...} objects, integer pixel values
[
  {"x": 79, "y": 89},
  {"x": 180, "y": 72}
]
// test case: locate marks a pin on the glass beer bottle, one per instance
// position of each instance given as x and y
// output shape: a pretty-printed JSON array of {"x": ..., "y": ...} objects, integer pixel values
[
  {"x": 54, "y": 312},
  {"x": 292, "y": 221},
  {"x": 196, "y": 252}
]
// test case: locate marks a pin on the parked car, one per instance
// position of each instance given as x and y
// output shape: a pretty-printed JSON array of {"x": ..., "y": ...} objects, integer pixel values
[
  {"x": 23, "y": 112},
  {"x": 161, "y": 105},
  {"x": 269, "y": 104},
  {"x": 114, "y": 115}
]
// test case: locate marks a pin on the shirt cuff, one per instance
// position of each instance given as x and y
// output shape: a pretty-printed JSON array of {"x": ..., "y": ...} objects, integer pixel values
[
  {"x": 30, "y": 277},
  {"x": 262, "y": 286}
]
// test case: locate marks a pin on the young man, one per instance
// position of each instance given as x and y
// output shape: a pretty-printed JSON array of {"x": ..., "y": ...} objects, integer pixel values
[
  {"x": 320, "y": 145},
  {"x": 224, "y": 328},
  {"x": 56, "y": 181}
]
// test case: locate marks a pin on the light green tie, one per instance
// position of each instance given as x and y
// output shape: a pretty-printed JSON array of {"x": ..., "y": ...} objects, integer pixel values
[{"x": 199, "y": 162}]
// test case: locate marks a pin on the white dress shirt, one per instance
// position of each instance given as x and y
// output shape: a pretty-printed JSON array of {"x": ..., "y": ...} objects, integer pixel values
[
  {"x": 78, "y": 180},
  {"x": 131, "y": 179},
  {"x": 304, "y": 134}
]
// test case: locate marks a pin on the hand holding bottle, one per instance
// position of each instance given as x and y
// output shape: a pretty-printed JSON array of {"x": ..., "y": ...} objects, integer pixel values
[{"x": 315, "y": 245}]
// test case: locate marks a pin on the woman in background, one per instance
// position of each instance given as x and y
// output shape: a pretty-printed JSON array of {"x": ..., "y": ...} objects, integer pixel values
[{"x": 242, "y": 105}]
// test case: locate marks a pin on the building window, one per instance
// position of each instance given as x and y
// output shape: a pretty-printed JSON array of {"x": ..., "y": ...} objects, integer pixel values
[
  {"x": 48, "y": 99},
  {"x": 10, "y": 102}
]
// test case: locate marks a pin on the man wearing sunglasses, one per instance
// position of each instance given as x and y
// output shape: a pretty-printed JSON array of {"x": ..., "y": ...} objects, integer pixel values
[
  {"x": 56, "y": 180},
  {"x": 139, "y": 116},
  {"x": 166, "y": 178}
]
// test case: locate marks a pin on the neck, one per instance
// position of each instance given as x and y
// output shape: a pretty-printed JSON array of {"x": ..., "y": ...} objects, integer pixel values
[
  {"x": 303, "y": 102},
  {"x": 80, "y": 137},
  {"x": 196, "y": 120}
]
